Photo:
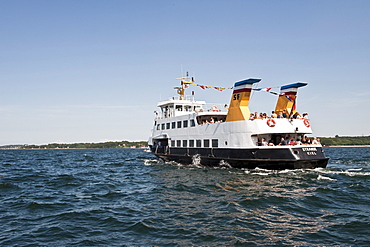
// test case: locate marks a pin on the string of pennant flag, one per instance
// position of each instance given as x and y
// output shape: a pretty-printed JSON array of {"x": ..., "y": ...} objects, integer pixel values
[
  {"x": 206, "y": 87},
  {"x": 268, "y": 89}
]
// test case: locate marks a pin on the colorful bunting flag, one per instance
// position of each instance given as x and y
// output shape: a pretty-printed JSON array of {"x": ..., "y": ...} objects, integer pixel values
[
  {"x": 205, "y": 87},
  {"x": 268, "y": 90}
]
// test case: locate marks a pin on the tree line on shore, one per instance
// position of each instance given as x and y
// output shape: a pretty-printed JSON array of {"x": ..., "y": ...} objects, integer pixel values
[
  {"x": 119, "y": 144},
  {"x": 325, "y": 141},
  {"x": 345, "y": 141}
]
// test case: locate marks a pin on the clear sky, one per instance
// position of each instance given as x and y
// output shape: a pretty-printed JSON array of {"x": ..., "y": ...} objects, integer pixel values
[{"x": 93, "y": 71}]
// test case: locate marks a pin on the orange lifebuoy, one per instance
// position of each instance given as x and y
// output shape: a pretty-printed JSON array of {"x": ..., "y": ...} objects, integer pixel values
[
  {"x": 271, "y": 122},
  {"x": 306, "y": 123}
]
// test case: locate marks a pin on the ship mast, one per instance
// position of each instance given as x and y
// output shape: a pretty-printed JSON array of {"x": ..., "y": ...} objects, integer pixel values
[{"x": 185, "y": 81}]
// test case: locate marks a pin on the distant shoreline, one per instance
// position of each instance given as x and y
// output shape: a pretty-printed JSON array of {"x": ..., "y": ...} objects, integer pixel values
[
  {"x": 345, "y": 141},
  {"x": 347, "y": 146},
  {"x": 39, "y": 148},
  {"x": 117, "y": 144},
  {"x": 1, "y": 148},
  {"x": 337, "y": 141}
]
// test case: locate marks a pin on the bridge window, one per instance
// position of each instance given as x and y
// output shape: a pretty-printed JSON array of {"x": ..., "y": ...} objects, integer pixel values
[
  {"x": 206, "y": 143},
  {"x": 178, "y": 143},
  {"x": 199, "y": 143},
  {"x": 184, "y": 143},
  {"x": 163, "y": 126},
  {"x": 168, "y": 125},
  {"x": 185, "y": 123},
  {"x": 173, "y": 142},
  {"x": 191, "y": 143},
  {"x": 192, "y": 123},
  {"x": 173, "y": 125},
  {"x": 214, "y": 143},
  {"x": 178, "y": 124},
  {"x": 187, "y": 108}
]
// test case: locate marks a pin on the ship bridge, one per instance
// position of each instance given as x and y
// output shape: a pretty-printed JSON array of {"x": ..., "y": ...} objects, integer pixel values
[{"x": 174, "y": 107}]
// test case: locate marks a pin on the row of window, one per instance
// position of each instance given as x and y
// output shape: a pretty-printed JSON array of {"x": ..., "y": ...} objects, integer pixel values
[
  {"x": 194, "y": 143},
  {"x": 174, "y": 125}
]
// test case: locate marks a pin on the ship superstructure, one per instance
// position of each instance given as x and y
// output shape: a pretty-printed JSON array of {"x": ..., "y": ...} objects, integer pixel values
[{"x": 185, "y": 129}]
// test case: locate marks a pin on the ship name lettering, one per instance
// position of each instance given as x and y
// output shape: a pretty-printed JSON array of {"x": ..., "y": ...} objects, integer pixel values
[
  {"x": 309, "y": 149},
  {"x": 311, "y": 153}
]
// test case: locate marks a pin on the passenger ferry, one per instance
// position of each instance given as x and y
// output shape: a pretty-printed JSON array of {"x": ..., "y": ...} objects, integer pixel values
[{"x": 186, "y": 131}]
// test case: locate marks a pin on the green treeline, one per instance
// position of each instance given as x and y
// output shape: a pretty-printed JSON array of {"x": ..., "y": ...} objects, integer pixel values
[
  {"x": 121, "y": 144},
  {"x": 325, "y": 141},
  {"x": 345, "y": 140}
]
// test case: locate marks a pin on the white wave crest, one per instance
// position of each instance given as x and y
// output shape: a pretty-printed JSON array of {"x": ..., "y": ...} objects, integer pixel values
[
  {"x": 320, "y": 177},
  {"x": 261, "y": 173},
  {"x": 350, "y": 172},
  {"x": 196, "y": 160},
  {"x": 224, "y": 164},
  {"x": 151, "y": 162}
]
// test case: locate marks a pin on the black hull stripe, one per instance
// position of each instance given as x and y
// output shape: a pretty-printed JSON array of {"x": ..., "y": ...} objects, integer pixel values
[{"x": 249, "y": 158}]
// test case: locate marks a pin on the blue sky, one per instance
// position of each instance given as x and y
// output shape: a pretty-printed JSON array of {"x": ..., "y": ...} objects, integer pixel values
[{"x": 93, "y": 71}]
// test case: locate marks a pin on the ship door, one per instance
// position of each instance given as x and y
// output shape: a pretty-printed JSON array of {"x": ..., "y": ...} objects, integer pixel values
[{"x": 160, "y": 146}]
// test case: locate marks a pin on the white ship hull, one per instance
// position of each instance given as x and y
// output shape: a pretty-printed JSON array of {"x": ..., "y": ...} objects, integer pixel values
[
  {"x": 236, "y": 144},
  {"x": 186, "y": 131}
]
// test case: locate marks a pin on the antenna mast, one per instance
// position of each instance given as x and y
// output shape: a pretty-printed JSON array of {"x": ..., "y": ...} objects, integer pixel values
[{"x": 185, "y": 80}]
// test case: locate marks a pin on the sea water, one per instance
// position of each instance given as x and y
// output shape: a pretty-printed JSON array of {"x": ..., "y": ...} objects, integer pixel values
[{"x": 126, "y": 197}]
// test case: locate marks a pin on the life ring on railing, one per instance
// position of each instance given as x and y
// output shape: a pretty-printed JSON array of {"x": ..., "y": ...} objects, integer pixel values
[
  {"x": 306, "y": 123},
  {"x": 214, "y": 108},
  {"x": 271, "y": 122}
]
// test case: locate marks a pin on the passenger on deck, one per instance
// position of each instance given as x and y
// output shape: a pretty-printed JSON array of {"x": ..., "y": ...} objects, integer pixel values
[
  {"x": 280, "y": 115},
  {"x": 297, "y": 115},
  {"x": 298, "y": 142},
  {"x": 284, "y": 114},
  {"x": 273, "y": 114},
  {"x": 309, "y": 141},
  {"x": 271, "y": 143},
  {"x": 305, "y": 115},
  {"x": 263, "y": 142},
  {"x": 283, "y": 142},
  {"x": 214, "y": 108},
  {"x": 314, "y": 141},
  {"x": 251, "y": 117},
  {"x": 212, "y": 120},
  {"x": 304, "y": 140},
  {"x": 292, "y": 141}
]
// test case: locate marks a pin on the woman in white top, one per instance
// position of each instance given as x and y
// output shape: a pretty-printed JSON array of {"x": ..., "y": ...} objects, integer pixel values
[{"x": 315, "y": 142}]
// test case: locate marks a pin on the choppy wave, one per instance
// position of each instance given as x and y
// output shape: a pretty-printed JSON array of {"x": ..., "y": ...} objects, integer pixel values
[{"x": 119, "y": 197}]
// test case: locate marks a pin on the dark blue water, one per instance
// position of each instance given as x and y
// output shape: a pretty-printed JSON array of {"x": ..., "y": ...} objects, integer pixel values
[{"x": 124, "y": 197}]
